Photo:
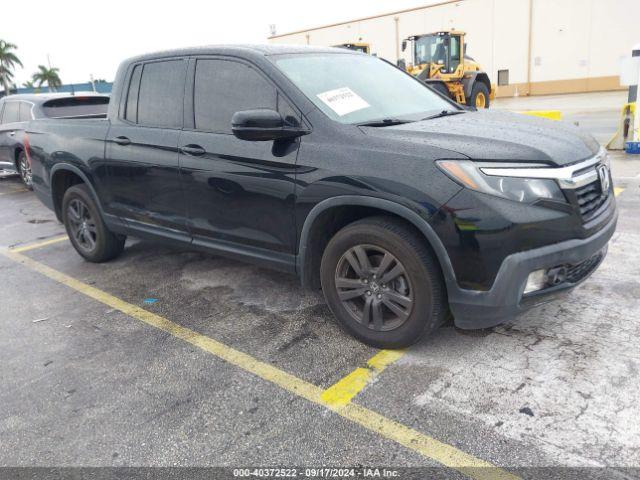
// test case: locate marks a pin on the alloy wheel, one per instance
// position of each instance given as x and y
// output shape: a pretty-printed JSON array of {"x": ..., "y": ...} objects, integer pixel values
[
  {"x": 374, "y": 287},
  {"x": 25, "y": 170},
  {"x": 82, "y": 225}
]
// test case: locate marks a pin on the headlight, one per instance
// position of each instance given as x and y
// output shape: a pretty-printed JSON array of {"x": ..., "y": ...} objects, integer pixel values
[{"x": 525, "y": 190}]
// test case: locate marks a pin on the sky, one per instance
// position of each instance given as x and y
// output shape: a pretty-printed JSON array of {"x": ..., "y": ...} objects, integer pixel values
[{"x": 84, "y": 39}]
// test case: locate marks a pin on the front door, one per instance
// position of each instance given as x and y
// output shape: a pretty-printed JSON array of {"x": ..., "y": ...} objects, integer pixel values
[
  {"x": 238, "y": 193},
  {"x": 141, "y": 168},
  {"x": 10, "y": 122}
]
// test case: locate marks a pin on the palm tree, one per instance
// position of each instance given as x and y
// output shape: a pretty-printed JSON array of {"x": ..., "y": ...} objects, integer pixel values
[
  {"x": 50, "y": 76},
  {"x": 8, "y": 61},
  {"x": 30, "y": 84}
]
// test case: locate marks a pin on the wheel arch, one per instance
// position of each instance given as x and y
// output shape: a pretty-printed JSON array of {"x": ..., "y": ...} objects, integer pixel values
[
  {"x": 471, "y": 78},
  {"x": 16, "y": 155},
  {"x": 63, "y": 176},
  {"x": 307, "y": 261}
]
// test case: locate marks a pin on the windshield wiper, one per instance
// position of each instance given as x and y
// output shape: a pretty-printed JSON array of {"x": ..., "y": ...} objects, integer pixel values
[
  {"x": 383, "y": 122},
  {"x": 444, "y": 113}
]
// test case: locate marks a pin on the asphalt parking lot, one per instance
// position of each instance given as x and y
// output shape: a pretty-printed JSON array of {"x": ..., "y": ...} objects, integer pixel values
[{"x": 173, "y": 358}]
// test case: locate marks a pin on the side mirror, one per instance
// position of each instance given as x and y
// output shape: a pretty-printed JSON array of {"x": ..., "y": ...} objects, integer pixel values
[
  {"x": 263, "y": 125},
  {"x": 404, "y": 45}
]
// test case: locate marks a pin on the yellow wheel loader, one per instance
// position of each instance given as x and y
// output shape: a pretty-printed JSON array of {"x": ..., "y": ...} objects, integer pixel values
[{"x": 439, "y": 60}]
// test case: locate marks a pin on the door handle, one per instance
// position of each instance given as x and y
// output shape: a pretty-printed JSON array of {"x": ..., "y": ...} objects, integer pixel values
[
  {"x": 193, "y": 150},
  {"x": 122, "y": 140},
  {"x": 12, "y": 133}
]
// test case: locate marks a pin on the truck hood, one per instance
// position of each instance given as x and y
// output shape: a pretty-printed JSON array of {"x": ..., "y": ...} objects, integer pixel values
[{"x": 497, "y": 136}]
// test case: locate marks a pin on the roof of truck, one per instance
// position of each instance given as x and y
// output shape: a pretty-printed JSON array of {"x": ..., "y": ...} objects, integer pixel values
[{"x": 259, "y": 49}]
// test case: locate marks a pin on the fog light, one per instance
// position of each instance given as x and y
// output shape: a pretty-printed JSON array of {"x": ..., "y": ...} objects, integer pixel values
[{"x": 536, "y": 281}]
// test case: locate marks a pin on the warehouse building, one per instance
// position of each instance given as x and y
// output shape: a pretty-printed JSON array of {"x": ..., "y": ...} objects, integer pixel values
[{"x": 528, "y": 47}]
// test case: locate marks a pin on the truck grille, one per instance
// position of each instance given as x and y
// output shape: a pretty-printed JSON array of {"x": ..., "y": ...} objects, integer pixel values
[
  {"x": 589, "y": 199},
  {"x": 577, "y": 272}
]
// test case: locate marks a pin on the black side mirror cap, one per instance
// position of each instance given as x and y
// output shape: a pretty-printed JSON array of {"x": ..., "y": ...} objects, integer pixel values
[
  {"x": 404, "y": 45},
  {"x": 263, "y": 125}
]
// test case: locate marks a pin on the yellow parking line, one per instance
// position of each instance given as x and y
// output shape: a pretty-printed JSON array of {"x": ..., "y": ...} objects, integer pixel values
[
  {"x": 43, "y": 243},
  {"x": 550, "y": 114},
  {"x": 423, "y": 444},
  {"x": 343, "y": 391},
  {"x": 10, "y": 192},
  {"x": 617, "y": 191}
]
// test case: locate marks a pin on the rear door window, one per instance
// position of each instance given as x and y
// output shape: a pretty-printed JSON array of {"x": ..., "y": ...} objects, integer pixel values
[
  {"x": 224, "y": 87},
  {"x": 161, "y": 94},
  {"x": 11, "y": 112}
]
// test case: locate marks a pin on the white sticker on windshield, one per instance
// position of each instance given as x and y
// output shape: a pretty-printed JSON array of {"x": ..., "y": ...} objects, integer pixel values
[{"x": 343, "y": 100}]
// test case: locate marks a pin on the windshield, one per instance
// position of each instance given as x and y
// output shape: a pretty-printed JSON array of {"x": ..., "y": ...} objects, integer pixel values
[
  {"x": 357, "y": 89},
  {"x": 430, "y": 49}
]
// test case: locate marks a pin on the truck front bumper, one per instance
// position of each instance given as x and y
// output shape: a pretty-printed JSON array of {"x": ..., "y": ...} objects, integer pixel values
[{"x": 474, "y": 309}]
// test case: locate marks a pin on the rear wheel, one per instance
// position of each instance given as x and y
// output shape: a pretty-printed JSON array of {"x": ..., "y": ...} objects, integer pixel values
[
  {"x": 87, "y": 232},
  {"x": 382, "y": 283},
  {"x": 479, "y": 96},
  {"x": 24, "y": 169}
]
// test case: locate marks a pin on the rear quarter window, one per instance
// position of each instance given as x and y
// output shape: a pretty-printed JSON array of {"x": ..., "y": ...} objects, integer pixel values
[
  {"x": 76, "y": 107},
  {"x": 131, "y": 110},
  {"x": 11, "y": 112}
]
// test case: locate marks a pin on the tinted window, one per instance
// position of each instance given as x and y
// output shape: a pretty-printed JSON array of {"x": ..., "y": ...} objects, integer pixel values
[
  {"x": 131, "y": 112},
  {"x": 11, "y": 112},
  {"x": 70, "y": 107},
  {"x": 223, "y": 88},
  {"x": 161, "y": 94},
  {"x": 25, "y": 111}
]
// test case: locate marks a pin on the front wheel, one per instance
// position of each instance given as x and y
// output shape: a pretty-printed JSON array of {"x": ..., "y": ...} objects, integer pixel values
[
  {"x": 24, "y": 169},
  {"x": 88, "y": 233},
  {"x": 479, "y": 97},
  {"x": 382, "y": 283}
]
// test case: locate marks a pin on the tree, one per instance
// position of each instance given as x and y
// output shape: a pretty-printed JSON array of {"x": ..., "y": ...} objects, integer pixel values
[
  {"x": 30, "y": 84},
  {"x": 8, "y": 61},
  {"x": 50, "y": 76}
]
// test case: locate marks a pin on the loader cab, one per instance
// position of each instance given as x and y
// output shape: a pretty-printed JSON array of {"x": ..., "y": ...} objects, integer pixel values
[{"x": 437, "y": 54}]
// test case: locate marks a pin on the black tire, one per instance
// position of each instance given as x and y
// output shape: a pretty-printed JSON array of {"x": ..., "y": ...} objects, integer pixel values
[
  {"x": 88, "y": 234},
  {"x": 440, "y": 88},
  {"x": 479, "y": 89},
  {"x": 421, "y": 282},
  {"x": 24, "y": 169}
]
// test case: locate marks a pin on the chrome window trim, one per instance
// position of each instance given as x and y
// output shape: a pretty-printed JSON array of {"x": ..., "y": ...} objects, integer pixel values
[{"x": 563, "y": 175}]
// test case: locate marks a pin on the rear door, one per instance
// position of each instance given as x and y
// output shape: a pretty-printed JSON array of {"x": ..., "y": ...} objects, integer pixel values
[
  {"x": 237, "y": 192},
  {"x": 140, "y": 176}
]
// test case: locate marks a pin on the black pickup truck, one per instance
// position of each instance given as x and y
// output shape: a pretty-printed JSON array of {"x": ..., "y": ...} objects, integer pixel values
[{"x": 341, "y": 168}]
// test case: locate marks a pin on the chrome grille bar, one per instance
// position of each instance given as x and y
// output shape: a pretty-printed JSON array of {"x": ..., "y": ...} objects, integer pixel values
[{"x": 565, "y": 176}]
